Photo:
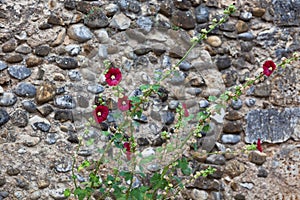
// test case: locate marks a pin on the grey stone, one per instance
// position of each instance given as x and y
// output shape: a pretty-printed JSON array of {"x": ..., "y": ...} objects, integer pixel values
[
  {"x": 216, "y": 159},
  {"x": 286, "y": 13},
  {"x": 262, "y": 90},
  {"x": 2, "y": 65},
  {"x": 82, "y": 101},
  {"x": 202, "y": 14},
  {"x": 250, "y": 102},
  {"x": 42, "y": 126},
  {"x": 178, "y": 78},
  {"x": 8, "y": 99},
  {"x": 142, "y": 141},
  {"x": 12, "y": 171},
  {"x": 96, "y": 19},
  {"x": 246, "y": 16},
  {"x": 19, "y": 72},
  {"x": 23, "y": 49},
  {"x": 4, "y": 117},
  {"x": 273, "y": 126},
  {"x": 199, "y": 194},
  {"x": 257, "y": 157},
  {"x": 63, "y": 167},
  {"x": 102, "y": 51},
  {"x": 167, "y": 117},
  {"x": 25, "y": 89},
  {"x": 248, "y": 36},
  {"x": 185, "y": 65},
  {"x": 29, "y": 106},
  {"x": 262, "y": 172},
  {"x": 57, "y": 194},
  {"x": 67, "y": 63},
  {"x": 51, "y": 138},
  {"x": 64, "y": 101},
  {"x": 230, "y": 138},
  {"x": 229, "y": 77},
  {"x": 173, "y": 104},
  {"x": 73, "y": 49},
  {"x": 79, "y": 33},
  {"x": 19, "y": 118},
  {"x": 74, "y": 75},
  {"x": 203, "y": 103},
  {"x": 144, "y": 23},
  {"x": 236, "y": 104},
  {"x": 223, "y": 62},
  {"x": 120, "y": 21},
  {"x": 193, "y": 91},
  {"x": 45, "y": 109},
  {"x": 42, "y": 50},
  {"x": 95, "y": 89}
]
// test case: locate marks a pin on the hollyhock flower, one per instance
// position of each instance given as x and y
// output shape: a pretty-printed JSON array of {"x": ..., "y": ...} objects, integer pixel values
[
  {"x": 101, "y": 113},
  {"x": 186, "y": 112},
  {"x": 128, "y": 152},
  {"x": 269, "y": 67},
  {"x": 124, "y": 103},
  {"x": 113, "y": 76},
  {"x": 258, "y": 145}
]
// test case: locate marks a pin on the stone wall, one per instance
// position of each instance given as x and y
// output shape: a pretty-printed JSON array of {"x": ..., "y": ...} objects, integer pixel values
[{"x": 51, "y": 60}]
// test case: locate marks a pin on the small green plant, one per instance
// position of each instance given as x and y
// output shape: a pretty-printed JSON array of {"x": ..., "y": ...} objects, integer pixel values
[{"x": 128, "y": 179}]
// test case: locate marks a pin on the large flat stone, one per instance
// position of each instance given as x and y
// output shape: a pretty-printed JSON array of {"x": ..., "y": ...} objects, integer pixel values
[{"x": 272, "y": 125}]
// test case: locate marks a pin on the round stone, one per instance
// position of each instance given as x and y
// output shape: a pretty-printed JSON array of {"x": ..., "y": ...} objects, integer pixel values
[
  {"x": 42, "y": 126},
  {"x": 236, "y": 104},
  {"x": 8, "y": 99},
  {"x": 144, "y": 23},
  {"x": 29, "y": 106},
  {"x": 214, "y": 41},
  {"x": 185, "y": 66},
  {"x": 230, "y": 138},
  {"x": 19, "y": 72},
  {"x": 74, "y": 75},
  {"x": 95, "y": 89},
  {"x": 80, "y": 33},
  {"x": 202, "y": 14},
  {"x": 250, "y": 102},
  {"x": 25, "y": 89}
]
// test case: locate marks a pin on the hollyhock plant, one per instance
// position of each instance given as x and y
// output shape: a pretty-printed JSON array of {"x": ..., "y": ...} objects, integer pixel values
[
  {"x": 113, "y": 76},
  {"x": 128, "y": 150},
  {"x": 101, "y": 113},
  {"x": 124, "y": 103},
  {"x": 258, "y": 145},
  {"x": 269, "y": 67}
]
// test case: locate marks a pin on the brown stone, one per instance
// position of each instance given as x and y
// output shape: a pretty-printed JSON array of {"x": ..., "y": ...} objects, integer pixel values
[
  {"x": 241, "y": 26},
  {"x": 214, "y": 41},
  {"x": 232, "y": 127},
  {"x": 233, "y": 115},
  {"x": 43, "y": 183},
  {"x": 45, "y": 93},
  {"x": 257, "y": 157},
  {"x": 33, "y": 61},
  {"x": 15, "y": 58},
  {"x": 9, "y": 46},
  {"x": 234, "y": 168},
  {"x": 258, "y": 12}
]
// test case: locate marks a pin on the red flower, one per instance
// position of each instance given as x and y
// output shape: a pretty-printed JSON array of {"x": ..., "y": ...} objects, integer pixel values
[
  {"x": 258, "y": 145},
  {"x": 113, "y": 76},
  {"x": 186, "y": 112},
  {"x": 101, "y": 113},
  {"x": 269, "y": 67},
  {"x": 124, "y": 103},
  {"x": 128, "y": 152}
]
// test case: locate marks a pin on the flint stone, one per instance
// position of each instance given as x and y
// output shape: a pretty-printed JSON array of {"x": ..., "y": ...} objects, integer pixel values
[
  {"x": 8, "y": 99},
  {"x": 19, "y": 72},
  {"x": 96, "y": 19},
  {"x": 286, "y": 13},
  {"x": 273, "y": 126},
  {"x": 24, "y": 89},
  {"x": 79, "y": 33},
  {"x": 4, "y": 117}
]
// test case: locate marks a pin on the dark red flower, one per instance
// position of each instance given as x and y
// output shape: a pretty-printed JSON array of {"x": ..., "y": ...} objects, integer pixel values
[
  {"x": 258, "y": 145},
  {"x": 113, "y": 76},
  {"x": 128, "y": 150},
  {"x": 124, "y": 103},
  {"x": 269, "y": 67},
  {"x": 101, "y": 113},
  {"x": 186, "y": 112}
]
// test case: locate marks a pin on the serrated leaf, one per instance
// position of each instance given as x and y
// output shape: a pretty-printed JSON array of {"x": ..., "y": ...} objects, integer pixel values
[
  {"x": 83, "y": 165},
  {"x": 155, "y": 87},
  {"x": 144, "y": 87}
]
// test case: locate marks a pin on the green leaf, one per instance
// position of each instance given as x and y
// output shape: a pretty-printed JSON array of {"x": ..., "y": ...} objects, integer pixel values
[
  {"x": 90, "y": 142},
  {"x": 212, "y": 98},
  {"x": 134, "y": 99},
  {"x": 144, "y": 87},
  {"x": 157, "y": 181},
  {"x": 224, "y": 97},
  {"x": 67, "y": 192},
  {"x": 83, "y": 165},
  {"x": 155, "y": 87},
  {"x": 184, "y": 166},
  {"x": 206, "y": 128},
  {"x": 127, "y": 175},
  {"x": 80, "y": 193}
]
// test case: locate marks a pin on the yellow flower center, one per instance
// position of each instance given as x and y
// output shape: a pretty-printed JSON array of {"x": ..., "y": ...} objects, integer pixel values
[
  {"x": 124, "y": 103},
  {"x": 270, "y": 68},
  {"x": 99, "y": 114},
  {"x": 113, "y": 77}
]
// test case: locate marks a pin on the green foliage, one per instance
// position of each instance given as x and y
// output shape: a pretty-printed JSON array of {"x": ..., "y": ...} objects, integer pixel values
[{"x": 184, "y": 166}]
